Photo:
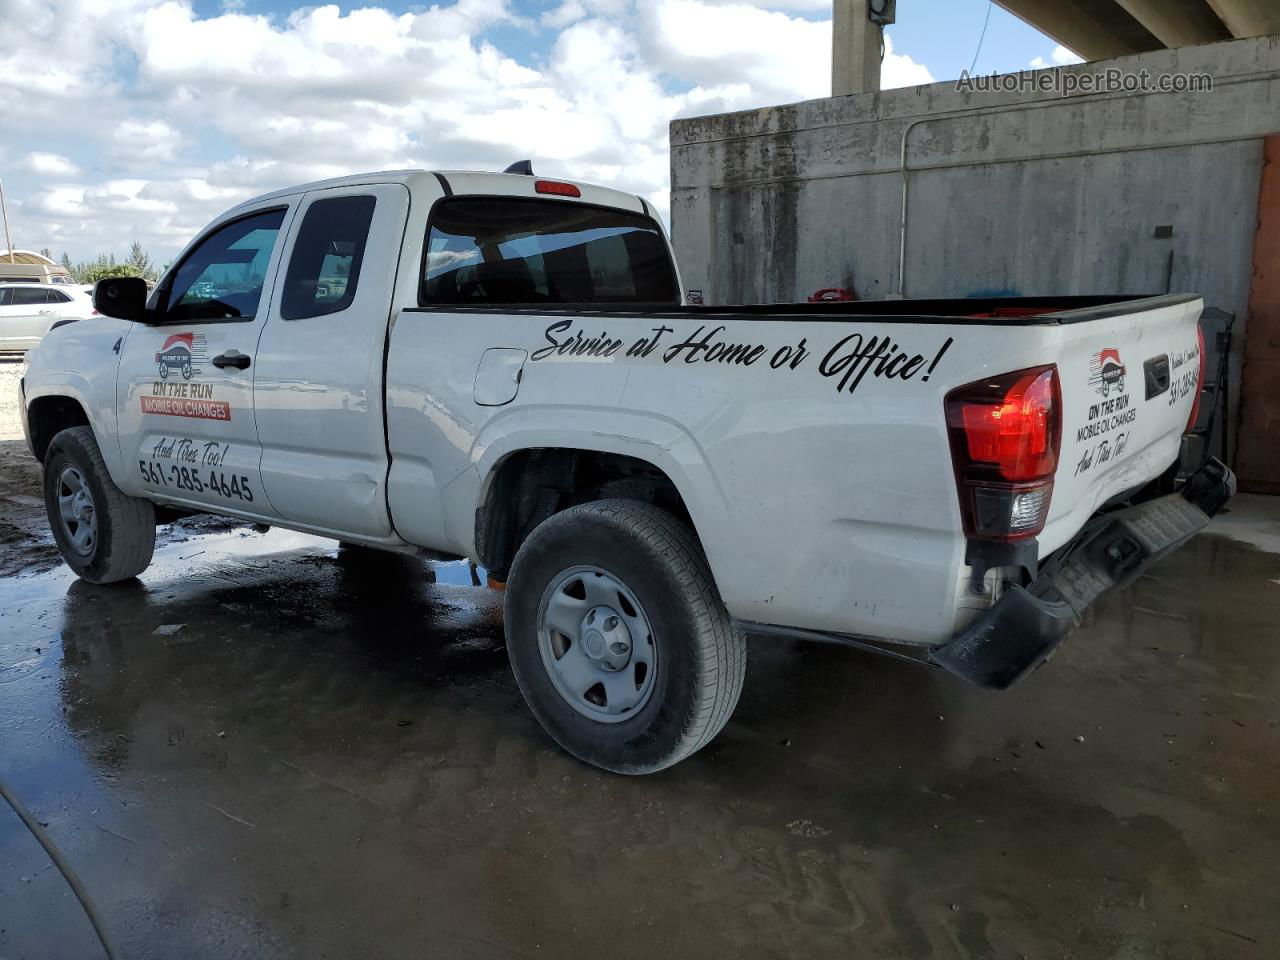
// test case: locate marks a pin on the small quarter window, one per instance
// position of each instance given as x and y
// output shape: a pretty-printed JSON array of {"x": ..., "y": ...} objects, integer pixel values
[{"x": 325, "y": 266}]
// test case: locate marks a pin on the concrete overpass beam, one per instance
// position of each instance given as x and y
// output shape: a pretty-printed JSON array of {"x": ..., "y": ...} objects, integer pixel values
[
  {"x": 1095, "y": 29},
  {"x": 1248, "y": 18},
  {"x": 1178, "y": 23}
]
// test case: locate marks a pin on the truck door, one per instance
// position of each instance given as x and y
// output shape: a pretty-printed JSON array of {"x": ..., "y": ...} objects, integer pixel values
[
  {"x": 185, "y": 390},
  {"x": 318, "y": 373}
]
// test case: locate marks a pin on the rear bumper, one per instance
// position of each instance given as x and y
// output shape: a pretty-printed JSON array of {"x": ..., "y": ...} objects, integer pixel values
[{"x": 1028, "y": 623}]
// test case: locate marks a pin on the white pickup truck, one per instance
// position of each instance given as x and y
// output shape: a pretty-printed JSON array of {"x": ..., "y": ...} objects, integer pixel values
[{"x": 503, "y": 367}]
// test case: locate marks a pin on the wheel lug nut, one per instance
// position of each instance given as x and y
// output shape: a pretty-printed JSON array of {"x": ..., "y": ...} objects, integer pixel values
[
  {"x": 618, "y": 648},
  {"x": 611, "y": 623}
]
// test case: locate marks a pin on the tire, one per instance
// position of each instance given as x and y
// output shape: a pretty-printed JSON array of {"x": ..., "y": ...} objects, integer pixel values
[
  {"x": 696, "y": 660},
  {"x": 121, "y": 529}
]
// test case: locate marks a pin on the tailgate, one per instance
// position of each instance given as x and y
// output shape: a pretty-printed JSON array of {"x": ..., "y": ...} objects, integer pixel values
[{"x": 1129, "y": 378}]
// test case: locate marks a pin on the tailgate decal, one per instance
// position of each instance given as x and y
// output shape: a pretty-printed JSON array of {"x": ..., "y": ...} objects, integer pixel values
[
  {"x": 1107, "y": 430},
  {"x": 1107, "y": 372}
]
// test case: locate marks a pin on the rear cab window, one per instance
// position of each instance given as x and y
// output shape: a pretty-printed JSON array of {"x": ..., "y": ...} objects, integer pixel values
[{"x": 499, "y": 250}]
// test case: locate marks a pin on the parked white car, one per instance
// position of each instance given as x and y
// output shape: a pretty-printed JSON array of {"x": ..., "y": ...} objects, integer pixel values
[
  {"x": 507, "y": 372},
  {"x": 29, "y": 310}
]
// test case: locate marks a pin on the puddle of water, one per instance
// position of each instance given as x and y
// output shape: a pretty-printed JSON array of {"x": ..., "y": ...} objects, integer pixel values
[
  {"x": 189, "y": 546},
  {"x": 1251, "y": 519}
]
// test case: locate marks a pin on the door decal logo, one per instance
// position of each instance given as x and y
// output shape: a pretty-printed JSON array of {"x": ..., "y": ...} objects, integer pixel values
[
  {"x": 1106, "y": 372},
  {"x": 182, "y": 355},
  {"x": 173, "y": 395},
  {"x": 194, "y": 408}
]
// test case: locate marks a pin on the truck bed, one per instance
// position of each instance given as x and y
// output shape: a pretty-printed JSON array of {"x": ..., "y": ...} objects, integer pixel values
[{"x": 777, "y": 428}]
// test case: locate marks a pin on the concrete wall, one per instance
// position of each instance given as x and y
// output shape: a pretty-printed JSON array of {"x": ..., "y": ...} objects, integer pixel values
[{"x": 1013, "y": 193}]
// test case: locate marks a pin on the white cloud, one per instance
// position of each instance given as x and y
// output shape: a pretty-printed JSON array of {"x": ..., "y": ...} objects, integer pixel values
[
  {"x": 182, "y": 115},
  {"x": 899, "y": 70},
  {"x": 571, "y": 11},
  {"x": 139, "y": 144},
  {"x": 1059, "y": 57},
  {"x": 49, "y": 165}
]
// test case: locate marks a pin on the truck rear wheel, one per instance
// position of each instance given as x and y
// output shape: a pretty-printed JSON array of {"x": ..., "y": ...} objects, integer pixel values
[
  {"x": 618, "y": 637},
  {"x": 103, "y": 535}
]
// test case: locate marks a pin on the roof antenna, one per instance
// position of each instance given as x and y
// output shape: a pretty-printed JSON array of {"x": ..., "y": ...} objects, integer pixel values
[{"x": 523, "y": 168}]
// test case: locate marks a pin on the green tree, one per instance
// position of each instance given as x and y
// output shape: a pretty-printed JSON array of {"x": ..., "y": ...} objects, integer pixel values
[
  {"x": 66, "y": 264},
  {"x": 44, "y": 252},
  {"x": 96, "y": 272},
  {"x": 139, "y": 262}
]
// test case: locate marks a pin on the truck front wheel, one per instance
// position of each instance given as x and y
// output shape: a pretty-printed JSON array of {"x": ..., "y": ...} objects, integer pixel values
[
  {"x": 103, "y": 535},
  {"x": 618, "y": 637}
]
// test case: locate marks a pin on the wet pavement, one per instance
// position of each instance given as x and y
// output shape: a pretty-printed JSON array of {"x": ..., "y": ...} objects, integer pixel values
[{"x": 270, "y": 748}]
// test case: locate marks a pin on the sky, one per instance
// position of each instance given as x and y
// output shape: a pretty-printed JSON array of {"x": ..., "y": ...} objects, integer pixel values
[{"x": 129, "y": 120}]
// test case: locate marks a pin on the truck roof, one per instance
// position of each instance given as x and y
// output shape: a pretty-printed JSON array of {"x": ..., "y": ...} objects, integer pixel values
[{"x": 470, "y": 182}]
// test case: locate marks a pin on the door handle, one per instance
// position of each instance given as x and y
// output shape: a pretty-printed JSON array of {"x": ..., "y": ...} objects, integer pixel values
[
  {"x": 45, "y": 313},
  {"x": 232, "y": 358}
]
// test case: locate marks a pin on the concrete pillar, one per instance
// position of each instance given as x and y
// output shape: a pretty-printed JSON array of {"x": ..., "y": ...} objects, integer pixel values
[
  {"x": 855, "y": 49},
  {"x": 1178, "y": 23},
  {"x": 1258, "y": 446},
  {"x": 1248, "y": 18}
]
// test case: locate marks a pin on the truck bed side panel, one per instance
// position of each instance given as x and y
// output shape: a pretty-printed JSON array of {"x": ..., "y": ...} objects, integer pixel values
[{"x": 813, "y": 456}]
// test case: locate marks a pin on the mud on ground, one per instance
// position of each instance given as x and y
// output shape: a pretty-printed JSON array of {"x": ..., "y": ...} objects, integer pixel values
[{"x": 26, "y": 545}]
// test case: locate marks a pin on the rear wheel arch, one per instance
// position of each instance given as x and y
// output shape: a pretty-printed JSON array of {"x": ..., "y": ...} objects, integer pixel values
[{"x": 529, "y": 485}]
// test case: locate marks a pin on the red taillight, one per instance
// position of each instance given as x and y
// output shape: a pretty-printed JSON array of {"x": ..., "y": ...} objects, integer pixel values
[
  {"x": 557, "y": 189},
  {"x": 1006, "y": 433},
  {"x": 1195, "y": 404}
]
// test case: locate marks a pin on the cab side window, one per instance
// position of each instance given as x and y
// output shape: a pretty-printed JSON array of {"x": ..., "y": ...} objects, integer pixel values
[
  {"x": 325, "y": 266},
  {"x": 5, "y": 294},
  {"x": 222, "y": 278}
]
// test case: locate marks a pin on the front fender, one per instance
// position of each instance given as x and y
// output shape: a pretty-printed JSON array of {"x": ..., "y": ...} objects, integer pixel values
[
  {"x": 80, "y": 362},
  {"x": 101, "y": 414}
]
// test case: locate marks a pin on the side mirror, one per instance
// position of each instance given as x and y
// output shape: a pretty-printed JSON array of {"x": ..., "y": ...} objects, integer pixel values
[{"x": 124, "y": 298}]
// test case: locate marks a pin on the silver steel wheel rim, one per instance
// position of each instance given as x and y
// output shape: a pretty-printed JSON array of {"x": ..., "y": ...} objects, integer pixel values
[
  {"x": 597, "y": 644},
  {"x": 76, "y": 511}
]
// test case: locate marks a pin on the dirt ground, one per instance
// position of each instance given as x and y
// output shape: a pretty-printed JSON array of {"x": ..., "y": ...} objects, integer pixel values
[
  {"x": 268, "y": 747},
  {"x": 23, "y": 523}
]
